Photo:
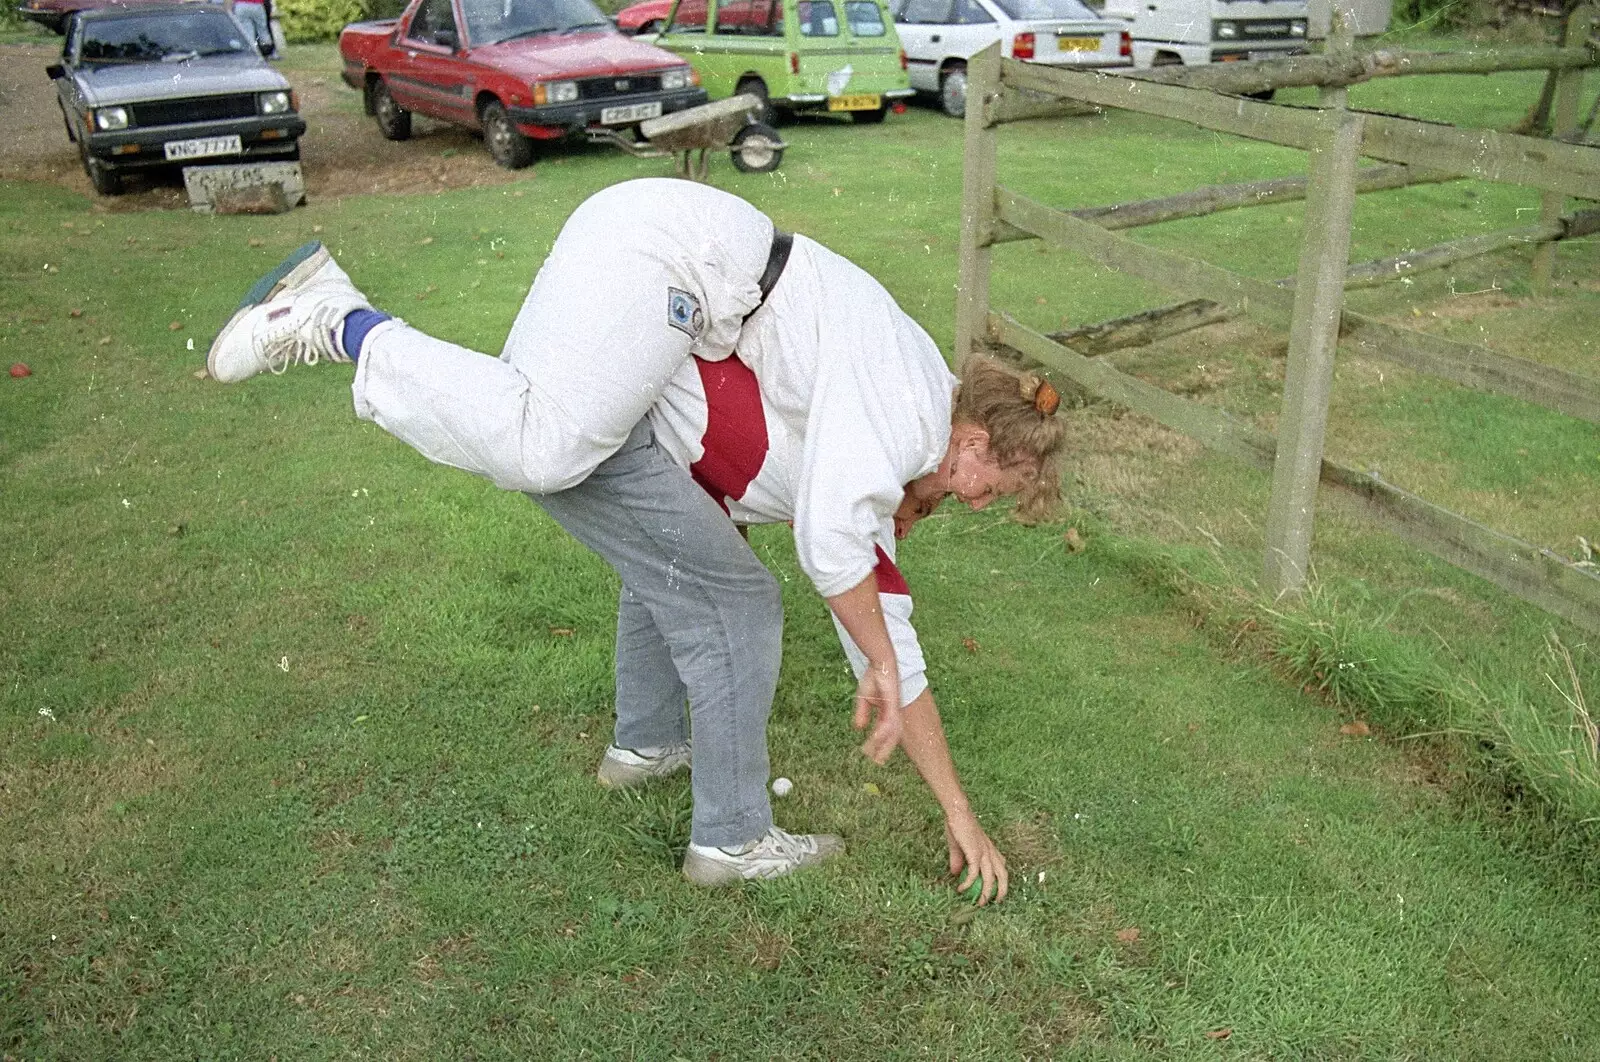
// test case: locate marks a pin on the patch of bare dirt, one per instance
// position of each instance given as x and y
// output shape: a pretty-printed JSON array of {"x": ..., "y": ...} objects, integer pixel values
[{"x": 342, "y": 152}]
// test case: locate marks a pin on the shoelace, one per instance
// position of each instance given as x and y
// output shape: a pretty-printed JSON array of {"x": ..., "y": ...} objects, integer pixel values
[
  {"x": 281, "y": 345},
  {"x": 785, "y": 844}
]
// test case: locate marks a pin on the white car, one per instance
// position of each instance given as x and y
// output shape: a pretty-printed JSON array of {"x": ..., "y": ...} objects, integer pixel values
[{"x": 939, "y": 36}]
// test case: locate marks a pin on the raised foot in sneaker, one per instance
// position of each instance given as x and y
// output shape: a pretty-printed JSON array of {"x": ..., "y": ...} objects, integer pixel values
[
  {"x": 294, "y": 314},
  {"x": 625, "y": 768},
  {"x": 772, "y": 855}
]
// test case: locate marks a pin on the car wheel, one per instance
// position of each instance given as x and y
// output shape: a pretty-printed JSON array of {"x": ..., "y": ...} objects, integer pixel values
[
  {"x": 105, "y": 180},
  {"x": 757, "y": 148},
  {"x": 394, "y": 122},
  {"x": 953, "y": 92},
  {"x": 508, "y": 146},
  {"x": 653, "y": 26},
  {"x": 870, "y": 117},
  {"x": 754, "y": 86}
]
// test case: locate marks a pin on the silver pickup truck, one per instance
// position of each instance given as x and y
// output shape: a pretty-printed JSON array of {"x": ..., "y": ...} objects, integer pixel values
[{"x": 175, "y": 85}]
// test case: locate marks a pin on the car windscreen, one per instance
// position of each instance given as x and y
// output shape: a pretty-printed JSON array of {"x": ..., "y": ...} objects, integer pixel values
[
  {"x": 493, "y": 21},
  {"x": 1022, "y": 10},
  {"x": 170, "y": 36}
]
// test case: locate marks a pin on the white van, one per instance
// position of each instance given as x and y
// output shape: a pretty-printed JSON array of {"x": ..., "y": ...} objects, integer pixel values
[{"x": 1195, "y": 32}]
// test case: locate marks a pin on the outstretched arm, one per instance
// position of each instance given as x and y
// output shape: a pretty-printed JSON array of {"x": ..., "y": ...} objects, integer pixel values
[
  {"x": 970, "y": 847},
  {"x": 878, "y": 691}
]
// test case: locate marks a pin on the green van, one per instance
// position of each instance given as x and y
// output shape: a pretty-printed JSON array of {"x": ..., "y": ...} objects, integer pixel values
[{"x": 799, "y": 55}]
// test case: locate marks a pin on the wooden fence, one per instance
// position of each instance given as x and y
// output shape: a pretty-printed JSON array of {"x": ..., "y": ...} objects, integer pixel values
[{"x": 1310, "y": 305}]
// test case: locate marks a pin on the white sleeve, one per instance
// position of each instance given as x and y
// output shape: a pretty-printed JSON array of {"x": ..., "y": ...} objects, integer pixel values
[
  {"x": 871, "y": 429},
  {"x": 894, "y": 598}
]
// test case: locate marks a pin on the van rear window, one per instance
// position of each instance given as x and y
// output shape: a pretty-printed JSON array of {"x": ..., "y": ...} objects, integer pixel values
[
  {"x": 817, "y": 18},
  {"x": 864, "y": 17}
]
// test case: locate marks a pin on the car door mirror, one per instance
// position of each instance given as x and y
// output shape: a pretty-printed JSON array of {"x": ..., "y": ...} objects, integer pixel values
[
  {"x": 55, "y": 70},
  {"x": 447, "y": 37}
]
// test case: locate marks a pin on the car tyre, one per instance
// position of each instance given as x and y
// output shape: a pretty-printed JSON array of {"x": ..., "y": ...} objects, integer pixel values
[
  {"x": 757, "y": 148},
  {"x": 106, "y": 181},
  {"x": 394, "y": 121},
  {"x": 754, "y": 86},
  {"x": 953, "y": 91},
  {"x": 506, "y": 144}
]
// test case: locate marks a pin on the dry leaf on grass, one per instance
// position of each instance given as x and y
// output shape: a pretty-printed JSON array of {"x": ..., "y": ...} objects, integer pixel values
[
  {"x": 1074, "y": 541},
  {"x": 1355, "y": 729},
  {"x": 1129, "y": 935},
  {"x": 174, "y": 326},
  {"x": 1219, "y": 1034},
  {"x": 970, "y": 644},
  {"x": 562, "y": 632}
]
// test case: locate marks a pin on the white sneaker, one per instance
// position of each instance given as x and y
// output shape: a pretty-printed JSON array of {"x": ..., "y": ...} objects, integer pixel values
[
  {"x": 624, "y": 768},
  {"x": 293, "y": 314},
  {"x": 771, "y": 855}
]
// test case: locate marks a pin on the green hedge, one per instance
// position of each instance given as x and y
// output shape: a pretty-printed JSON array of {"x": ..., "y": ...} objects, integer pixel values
[{"x": 304, "y": 21}]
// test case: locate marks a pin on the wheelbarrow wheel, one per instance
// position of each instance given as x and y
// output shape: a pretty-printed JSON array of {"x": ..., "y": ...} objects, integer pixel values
[{"x": 756, "y": 148}]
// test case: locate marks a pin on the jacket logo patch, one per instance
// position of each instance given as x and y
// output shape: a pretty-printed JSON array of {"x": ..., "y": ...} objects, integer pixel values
[{"x": 684, "y": 313}]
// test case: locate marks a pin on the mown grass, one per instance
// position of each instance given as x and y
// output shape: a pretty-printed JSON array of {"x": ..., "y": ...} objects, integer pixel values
[{"x": 296, "y": 759}]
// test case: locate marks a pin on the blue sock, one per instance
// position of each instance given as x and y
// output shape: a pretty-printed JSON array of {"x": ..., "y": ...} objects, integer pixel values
[{"x": 357, "y": 323}]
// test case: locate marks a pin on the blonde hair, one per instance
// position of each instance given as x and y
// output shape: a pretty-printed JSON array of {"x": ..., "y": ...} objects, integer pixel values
[{"x": 1017, "y": 409}]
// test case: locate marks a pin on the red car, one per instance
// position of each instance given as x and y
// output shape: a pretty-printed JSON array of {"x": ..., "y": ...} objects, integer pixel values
[
  {"x": 519, "y": 70},
  {"x": 646, "y": 17},
  {"x": 53, "y": 14}
]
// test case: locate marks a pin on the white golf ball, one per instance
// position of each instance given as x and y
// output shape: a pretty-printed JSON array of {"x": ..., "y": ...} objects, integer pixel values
[{"x": 782, "y": 787}]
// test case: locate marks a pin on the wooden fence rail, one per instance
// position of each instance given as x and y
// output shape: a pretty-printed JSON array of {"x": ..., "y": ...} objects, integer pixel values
[{"x": 1310, "y": 305}]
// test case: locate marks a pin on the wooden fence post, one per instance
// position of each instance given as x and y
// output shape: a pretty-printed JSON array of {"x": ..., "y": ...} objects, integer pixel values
[
  {"x": 1313, "y": 337},
  {"x": 977, "y": 204},
  {"x": 1563, "y": 120},
  {"x": 1341, "y": 41}
]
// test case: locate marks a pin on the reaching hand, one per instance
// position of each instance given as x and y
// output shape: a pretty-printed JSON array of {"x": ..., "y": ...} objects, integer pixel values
[
  {"x": 879, "y": 692},
  {"x": 971, "y": 848}
]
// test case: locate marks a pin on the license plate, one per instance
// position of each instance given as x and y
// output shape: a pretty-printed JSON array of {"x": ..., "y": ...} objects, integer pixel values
[
  {"x": 635, "y": 112},
  {"x": 203, "y": 147},
  {"x": 862, "y": 102},
  {"x": 1078, "y": 44}
]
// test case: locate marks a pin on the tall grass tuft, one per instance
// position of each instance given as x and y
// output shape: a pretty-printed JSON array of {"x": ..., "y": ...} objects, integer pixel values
[
  {"x": 1556, "y": 746},
  {"x": 1338, "y": 643}
]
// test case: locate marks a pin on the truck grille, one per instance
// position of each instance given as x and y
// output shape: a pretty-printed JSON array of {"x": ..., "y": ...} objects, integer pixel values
[
  {"x": 194, "y": 109},
  {"x": 1261, "y": 28},
  {"x": 599, "y": 88}
]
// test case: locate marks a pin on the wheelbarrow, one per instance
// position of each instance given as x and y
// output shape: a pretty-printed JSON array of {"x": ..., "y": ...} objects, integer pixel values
[{"x": 753, "y": 146}]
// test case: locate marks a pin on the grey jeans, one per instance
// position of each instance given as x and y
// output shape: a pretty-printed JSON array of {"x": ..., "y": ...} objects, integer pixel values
[{"x": 700, "y": 620}]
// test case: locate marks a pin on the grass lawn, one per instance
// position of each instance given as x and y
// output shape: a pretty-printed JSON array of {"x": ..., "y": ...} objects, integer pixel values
[{"x": 297, "y": 731}]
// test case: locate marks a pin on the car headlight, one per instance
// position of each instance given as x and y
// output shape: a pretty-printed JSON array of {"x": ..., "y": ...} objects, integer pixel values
[
  {"x": 111, "y": 118},
  {"x": 555, "y": 92},
  {"x": 280, "y": 102},
  {"x": 679, "y": 77},
  {"x": 1297, "y": 28},
  {"x": 1224, "y": 31}
]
